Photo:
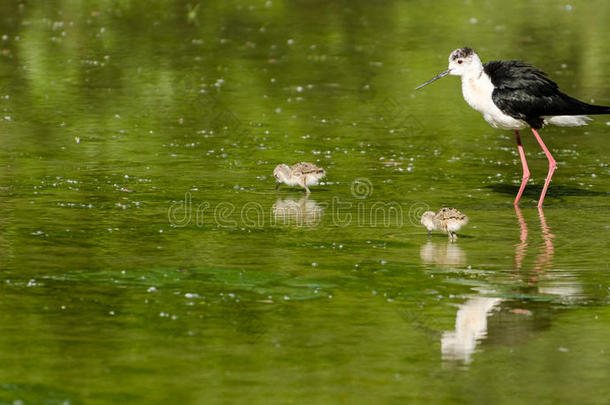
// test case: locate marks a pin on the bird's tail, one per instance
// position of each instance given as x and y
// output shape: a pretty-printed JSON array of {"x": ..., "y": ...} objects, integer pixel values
[
  {"x": 566, "y": 105},
  {"x": 573, "y": 106},
  {"x": 597, "y": 109}
]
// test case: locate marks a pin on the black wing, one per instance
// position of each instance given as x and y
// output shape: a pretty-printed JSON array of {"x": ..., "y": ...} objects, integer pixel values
[{"x": 526, "y": 93}]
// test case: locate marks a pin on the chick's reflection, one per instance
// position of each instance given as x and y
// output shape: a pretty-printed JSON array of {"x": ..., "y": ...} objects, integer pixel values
[
  {"x": 292, "y": 212},
  {"x": 442, "y": 254}
]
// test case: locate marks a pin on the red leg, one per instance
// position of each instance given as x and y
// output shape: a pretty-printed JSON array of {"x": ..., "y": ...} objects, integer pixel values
[
  {"x": 552, "y": 166},
  {"x": 526, "y": 170}
]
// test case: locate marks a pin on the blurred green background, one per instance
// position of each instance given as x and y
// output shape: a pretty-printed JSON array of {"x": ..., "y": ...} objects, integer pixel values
[{"x": 145, "y": 257}]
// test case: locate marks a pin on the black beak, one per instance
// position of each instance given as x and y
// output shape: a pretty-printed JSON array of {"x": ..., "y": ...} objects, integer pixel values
[
  {"x": 277, "y": 185},
  {"x": 445, "y": 73}
]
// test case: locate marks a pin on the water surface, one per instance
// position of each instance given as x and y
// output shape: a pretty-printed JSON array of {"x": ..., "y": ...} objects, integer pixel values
[{"x": 145, "y": 257}]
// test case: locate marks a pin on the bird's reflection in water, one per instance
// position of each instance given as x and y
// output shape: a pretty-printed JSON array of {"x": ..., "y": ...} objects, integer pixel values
[
  {"x": 472, "y": 316},
  {"x": 544, "y": 261},
  {"x": 521, "y": 247},
  {"x": 545, "y": 258},
  {"x": 471, "y": 319},
  {"x": 470, "y": 328},
  {"x": 442, "y": 254},
  {"x": 301, "y": 212},
  {"x": 561, "y": 284}
]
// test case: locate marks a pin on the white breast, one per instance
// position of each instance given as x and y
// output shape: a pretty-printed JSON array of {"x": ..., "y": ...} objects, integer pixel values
[
  {"x": 292, "y": 181},
  {"x": 477, "y": 92},
  {"x": 312, "y": 180}
]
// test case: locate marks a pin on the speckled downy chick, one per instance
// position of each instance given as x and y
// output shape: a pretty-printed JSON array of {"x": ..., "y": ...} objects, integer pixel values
[
  {"x": 448, "y": 220},
  {"x": 302, "y": 174}
]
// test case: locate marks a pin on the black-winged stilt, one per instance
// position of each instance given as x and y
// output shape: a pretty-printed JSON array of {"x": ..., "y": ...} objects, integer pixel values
[{"x": 513, "y": 95}]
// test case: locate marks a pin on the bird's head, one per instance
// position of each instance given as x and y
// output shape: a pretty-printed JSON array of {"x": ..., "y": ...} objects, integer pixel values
[
  {"x": 462, "y": 61},
  {"x": 281, "y": 173},
  {"x": 427, "y": 220}
]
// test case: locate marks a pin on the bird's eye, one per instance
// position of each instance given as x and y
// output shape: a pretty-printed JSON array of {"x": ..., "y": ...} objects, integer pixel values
[{"x": 460, "y": 61}]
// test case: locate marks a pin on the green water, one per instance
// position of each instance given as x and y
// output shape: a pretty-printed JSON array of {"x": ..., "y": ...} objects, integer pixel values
[{"x": 145, "y": 257}]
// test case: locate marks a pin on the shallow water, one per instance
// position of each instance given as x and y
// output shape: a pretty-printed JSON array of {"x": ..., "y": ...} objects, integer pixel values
[{"x": 145, "y": 257}]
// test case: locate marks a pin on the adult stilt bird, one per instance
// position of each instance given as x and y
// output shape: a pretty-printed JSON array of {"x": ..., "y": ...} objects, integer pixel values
[{"x": 514, "y": 95}]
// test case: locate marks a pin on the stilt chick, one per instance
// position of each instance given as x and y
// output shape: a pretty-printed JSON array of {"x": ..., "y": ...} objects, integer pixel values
[
  {"x": 448, "y": 220},
  {"x": 302, "y": 174}
]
